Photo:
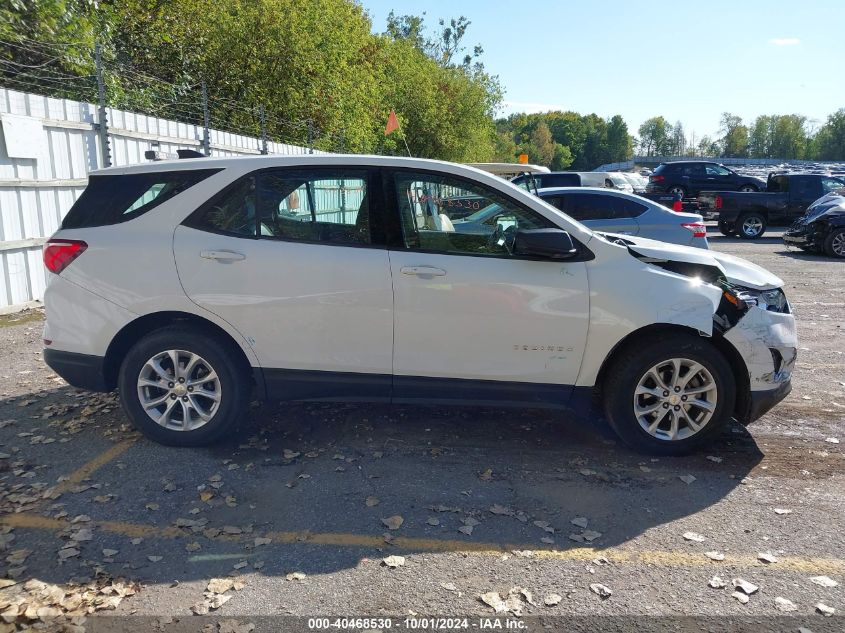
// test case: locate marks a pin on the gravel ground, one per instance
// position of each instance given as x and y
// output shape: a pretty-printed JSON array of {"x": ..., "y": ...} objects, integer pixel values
[{"x": 486, "y": 497}]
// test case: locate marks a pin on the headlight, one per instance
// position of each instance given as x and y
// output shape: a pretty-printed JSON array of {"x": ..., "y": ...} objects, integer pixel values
[{"x": 772, "y": 300}]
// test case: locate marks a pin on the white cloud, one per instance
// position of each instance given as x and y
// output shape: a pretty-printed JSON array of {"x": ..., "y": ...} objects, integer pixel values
[{"x": 785, "y": 41}]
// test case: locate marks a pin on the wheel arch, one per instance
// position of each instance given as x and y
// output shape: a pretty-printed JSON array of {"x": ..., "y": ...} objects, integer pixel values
[
  {"x": 730, "y": 353},
  {"x": 754, "y": 208},
  {"x": 140, "y": 327}
]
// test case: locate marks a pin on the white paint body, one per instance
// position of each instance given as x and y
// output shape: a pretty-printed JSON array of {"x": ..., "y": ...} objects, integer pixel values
[{"x": 332, "y": 308}]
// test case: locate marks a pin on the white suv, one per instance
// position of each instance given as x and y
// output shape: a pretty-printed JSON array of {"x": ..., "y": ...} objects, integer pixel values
[{"x": 191, "y": 285}]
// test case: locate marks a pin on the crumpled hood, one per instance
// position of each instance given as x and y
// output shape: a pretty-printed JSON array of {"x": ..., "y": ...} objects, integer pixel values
[{"x": 737, "y": 270}]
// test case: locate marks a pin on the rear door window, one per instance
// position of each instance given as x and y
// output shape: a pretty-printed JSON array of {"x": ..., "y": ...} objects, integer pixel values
[
  {"x": 321, "y": 206},
  {"x": 692, "y": 170},
  {"x": 594, "y": 206},
  {"x": 586, "y": 206},
  {"x": 111, "y": 199}
]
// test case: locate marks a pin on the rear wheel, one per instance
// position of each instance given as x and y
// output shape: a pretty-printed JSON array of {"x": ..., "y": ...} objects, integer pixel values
[
  {"x": 834, "y": 243},
  {"x": 677, "y": 190},
  {"x": 748, "y": 188},
  {"x": 180, "y": 388},
  {"x": 671, "y": 396},
  {"x": 751, "y": 225}
]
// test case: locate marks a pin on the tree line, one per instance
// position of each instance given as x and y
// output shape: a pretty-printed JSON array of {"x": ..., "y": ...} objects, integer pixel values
[
  {"x": 788, "y": 136},
  {"x": 564, "y": 140},
  {"x": 315, "y": 62}
]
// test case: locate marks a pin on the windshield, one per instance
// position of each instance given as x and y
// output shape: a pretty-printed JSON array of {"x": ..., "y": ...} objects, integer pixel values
[
  {"x": 483, "y": 214},
  {"x": 619, "y": 180}
]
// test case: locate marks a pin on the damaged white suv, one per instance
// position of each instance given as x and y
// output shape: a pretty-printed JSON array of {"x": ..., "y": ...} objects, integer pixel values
[{"x": 192, "y": 286}]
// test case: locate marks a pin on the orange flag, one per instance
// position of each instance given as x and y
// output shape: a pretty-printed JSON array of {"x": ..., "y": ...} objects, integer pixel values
[{"x": 392, "y": 123}]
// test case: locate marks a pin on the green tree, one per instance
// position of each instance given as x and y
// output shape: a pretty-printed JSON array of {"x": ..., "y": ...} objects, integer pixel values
[
  {"x": 677, "y": 142},
  {"x": 562, "y": 158},
  {"x": 760, "y": 137},
  {"x": 33, "y": 31},
  {"x": 654, "y": 136},
  {"x": 619, "y": 143},
  {"x": 303, "y": 61},
  {"x": 830, "y": 139},
  {"x": 541, "y": 148},
  {"x": 734, "y": 139}
]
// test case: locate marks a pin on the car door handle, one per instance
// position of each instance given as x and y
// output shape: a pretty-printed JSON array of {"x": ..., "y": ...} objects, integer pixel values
[
  {"x": 223, "y": 256},
  {"x": 423, "y": 271}
]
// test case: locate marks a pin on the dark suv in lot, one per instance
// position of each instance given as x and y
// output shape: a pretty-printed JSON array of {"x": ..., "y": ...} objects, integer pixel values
[{"x": 690, "y": 177}]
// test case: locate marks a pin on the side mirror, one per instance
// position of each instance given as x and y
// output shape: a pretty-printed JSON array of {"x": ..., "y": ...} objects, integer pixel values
[{"x": 545, "y": 243}]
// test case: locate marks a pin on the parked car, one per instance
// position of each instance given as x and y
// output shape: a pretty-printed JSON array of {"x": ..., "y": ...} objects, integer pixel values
[
  {"x": 619, "y": 182},
  {"x": 689, "y": 178},
  {"x": 638, "y": 182},
  {"x": 564, "y": 179},
  {"x": 623, "y": 213},
  {"x": 822, "y": 228},
  {"x": 786, "y": 198},
  {"x": 192, "y": 288}
]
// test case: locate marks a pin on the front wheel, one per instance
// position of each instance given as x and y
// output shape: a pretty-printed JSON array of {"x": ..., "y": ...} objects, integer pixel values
[
  {"x": 180, "y": 388},
  {"x": 671, "y": 396},
  {"x": 747, "y": 188},
  {"x": 751, "y": 225},
  {"x": 834, "y": 243}
]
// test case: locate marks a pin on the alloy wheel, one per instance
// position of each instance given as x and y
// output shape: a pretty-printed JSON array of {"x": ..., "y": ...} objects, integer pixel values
[
  {"x": 837, "y": 244},
  {"x": 675, "y": 399},
  {"x": 179, "y": 390},
  {"x": 752, "y": 226}
]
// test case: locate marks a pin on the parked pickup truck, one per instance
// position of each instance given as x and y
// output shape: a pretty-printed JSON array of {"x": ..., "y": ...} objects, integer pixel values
[{"x": 786, "y": 199}]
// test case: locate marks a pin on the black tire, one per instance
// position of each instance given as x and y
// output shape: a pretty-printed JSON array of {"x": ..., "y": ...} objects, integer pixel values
[
  {"x": 748, "y": 188},
  {"x": 677, "y": 190},
  {"x": 234, "y": 386},
  {"x": 834, "y": 242},
  {"x": 726, "y": 229},
  {"x": 752, "y": 216},
  {"x": 633, "y": 363}
]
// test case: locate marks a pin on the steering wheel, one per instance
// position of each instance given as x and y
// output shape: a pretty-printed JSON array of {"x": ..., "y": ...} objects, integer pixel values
[{"x": 502, "y": 238}]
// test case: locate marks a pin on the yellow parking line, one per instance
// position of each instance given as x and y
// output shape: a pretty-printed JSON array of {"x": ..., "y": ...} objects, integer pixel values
[
  {"x": 86, "y": 470},
  {"x": 809, "y": 565}
]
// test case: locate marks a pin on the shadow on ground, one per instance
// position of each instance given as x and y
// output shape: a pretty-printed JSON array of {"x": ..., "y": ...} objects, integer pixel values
[{"x": 319, "y": 479}]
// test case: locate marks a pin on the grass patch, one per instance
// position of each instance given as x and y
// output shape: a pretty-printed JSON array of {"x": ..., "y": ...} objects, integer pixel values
[{"x": 21, "y": 318}]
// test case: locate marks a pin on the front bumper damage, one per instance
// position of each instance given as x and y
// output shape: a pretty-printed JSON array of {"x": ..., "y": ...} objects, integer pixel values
[
  {"x": 804, "y": 236},
  {"x": 768, "y": 343}
]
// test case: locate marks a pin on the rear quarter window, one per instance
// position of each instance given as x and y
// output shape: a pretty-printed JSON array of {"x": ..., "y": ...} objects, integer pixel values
[{"x": 111, "y": 199}]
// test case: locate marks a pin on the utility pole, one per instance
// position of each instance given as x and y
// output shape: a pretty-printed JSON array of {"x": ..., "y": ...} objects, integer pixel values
[
  {"x": 206, "y": 132},
  {"x": 102, "y": 116},
  {"x": 310, "y": 137},
  {"x": 262, "y": 115}
]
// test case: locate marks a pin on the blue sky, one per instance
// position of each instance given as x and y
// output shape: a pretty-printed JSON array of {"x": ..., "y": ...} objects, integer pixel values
[{"x": 689, "y": 61}]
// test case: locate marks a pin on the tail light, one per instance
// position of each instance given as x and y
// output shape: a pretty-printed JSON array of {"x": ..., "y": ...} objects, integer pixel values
[
  {"x": 58, "y": 254},
  {"x": 698, "y": 228},
  {"x": 718, "y": 202},
  {"x": 677, "y": 206},
  {"x": 656, "y": 178}
]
